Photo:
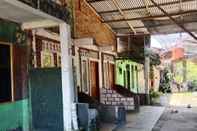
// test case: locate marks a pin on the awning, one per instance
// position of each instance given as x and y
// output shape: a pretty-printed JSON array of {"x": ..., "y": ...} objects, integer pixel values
[{"x": 142, "y": 16}]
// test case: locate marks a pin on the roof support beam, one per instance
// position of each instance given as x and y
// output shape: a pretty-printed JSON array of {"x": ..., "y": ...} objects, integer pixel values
[
  {"x": 152, "y": 17},
  {"x": 140, "y": 7},
  {"x": 39, "y": 24},
  {"x": 124, "y": 16},
  {"x": 174, "y": 20},
  {"x": 156, "y": 25}
]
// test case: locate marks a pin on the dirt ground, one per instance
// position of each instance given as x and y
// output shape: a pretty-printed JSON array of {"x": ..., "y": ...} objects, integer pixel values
[{"x": 177, "y": 119}]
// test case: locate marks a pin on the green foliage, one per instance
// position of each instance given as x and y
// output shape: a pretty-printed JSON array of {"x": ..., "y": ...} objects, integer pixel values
[
  {"x": 165, "y": 81},
  {"x": 154, "y": 95},
  {"x": 178, "y": 72},
  {"x": 194, "y": 83},
  {"x": 155, "y": 59},
  {"x": 191, "y": 70}
]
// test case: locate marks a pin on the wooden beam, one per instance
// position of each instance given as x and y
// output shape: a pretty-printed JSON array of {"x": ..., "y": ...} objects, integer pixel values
[
  {"x": 131, "y": 34},
  {"x": 39, "y": 24},
  {"x": 151, "y": 17},
  {"x": 174, "y": 20},
  {"x": 156, "y": 25},
  {"x": 94, "y": 1},
  {"x": 123, "y": 14},
  {"x": 141, "y": 7}
]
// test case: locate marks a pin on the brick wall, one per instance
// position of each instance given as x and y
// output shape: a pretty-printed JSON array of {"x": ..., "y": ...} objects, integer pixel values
[
  {"x": 111, "y": 97},
  {"x": 88, "y": 24}
]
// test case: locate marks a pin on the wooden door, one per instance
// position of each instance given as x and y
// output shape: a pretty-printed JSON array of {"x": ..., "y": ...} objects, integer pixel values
[
  {"x": 20, "y": 71},
  {"x": 111, "y": 76},
  {"x": 94, "y": 79}
]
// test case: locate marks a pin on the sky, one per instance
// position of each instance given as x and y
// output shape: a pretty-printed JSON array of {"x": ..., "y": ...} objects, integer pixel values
[{"x": 167, "y": 41}]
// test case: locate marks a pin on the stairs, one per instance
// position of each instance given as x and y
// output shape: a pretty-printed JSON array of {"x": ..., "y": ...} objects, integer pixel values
[
  {"x": 84, "y": 98},
  {"x": 124, "y": 92}
]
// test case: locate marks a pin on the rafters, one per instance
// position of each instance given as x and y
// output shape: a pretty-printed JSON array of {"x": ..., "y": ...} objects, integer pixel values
[
  {"x": 151, "y": 17},
  {"x": 137, "y": 8},
  {"x": 156, "y": 25},
  {"x": 174, "y": 20}
]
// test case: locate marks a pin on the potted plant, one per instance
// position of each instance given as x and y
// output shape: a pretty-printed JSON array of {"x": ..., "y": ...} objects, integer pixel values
[{"x": 154, "y": 97}]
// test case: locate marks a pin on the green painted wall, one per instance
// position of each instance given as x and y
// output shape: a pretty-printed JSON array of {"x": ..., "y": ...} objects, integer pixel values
[
  {"x": 191, "y": 71},
  {"x": 11, "y": 32},
  {"x": 14, "y": 115},
  {"x": 121, "y": 68}
]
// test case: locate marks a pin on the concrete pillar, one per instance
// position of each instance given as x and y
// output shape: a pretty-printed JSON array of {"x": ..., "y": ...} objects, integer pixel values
[
  {"x": 34, "y": 47},
  {"x": 67, "y": 75},
  {"x": 147, "y": 79}
]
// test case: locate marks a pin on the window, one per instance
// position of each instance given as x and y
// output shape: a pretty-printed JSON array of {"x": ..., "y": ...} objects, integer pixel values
[
  {"x": 132, "y": 77},
  {"x": 58, "y": 59},
  {"x": 5, "y": 74},
  {"x": 106, "y": 75},
  {"x": 85, "y": 77},
  {"x": 47, "y": 59},
  {"x": 120, "y": 70},
  {"x": 128, "y": 76},
  {"x": 137, "y": 79}
]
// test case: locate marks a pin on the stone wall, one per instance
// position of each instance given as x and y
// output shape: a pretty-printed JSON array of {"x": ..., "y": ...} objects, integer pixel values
[
  {"x": 111, "y": 97},
  {"x": 88, "y": 24}
]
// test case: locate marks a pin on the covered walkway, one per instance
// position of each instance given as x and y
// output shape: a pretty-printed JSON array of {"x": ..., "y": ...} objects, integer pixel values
[{"x": 142, "y": 121}]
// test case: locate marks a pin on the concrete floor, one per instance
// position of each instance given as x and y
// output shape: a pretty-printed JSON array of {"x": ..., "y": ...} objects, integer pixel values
[
  {"x": 107, "y": 127},
  {"x": 151, "y": 118},
  {"x": 142, "y": 121},
  {"x": 184, "y": 120}
]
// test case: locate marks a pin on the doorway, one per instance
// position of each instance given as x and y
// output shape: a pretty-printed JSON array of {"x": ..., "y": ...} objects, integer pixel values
[
  {"x": 111, "y": 76},
  {"x": 94, "y": 79},
  {"x": 128, "y": 76},
  {"x": 5, "y": 73}
]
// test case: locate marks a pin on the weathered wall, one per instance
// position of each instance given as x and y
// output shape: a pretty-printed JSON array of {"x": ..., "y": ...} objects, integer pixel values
[
  {"x": 88, "y": 24},
  {"x": 111, "y": 97}
]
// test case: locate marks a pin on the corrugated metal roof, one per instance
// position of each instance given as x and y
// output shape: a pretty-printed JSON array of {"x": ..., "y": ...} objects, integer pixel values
[{"x": 139, "y": 9}]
